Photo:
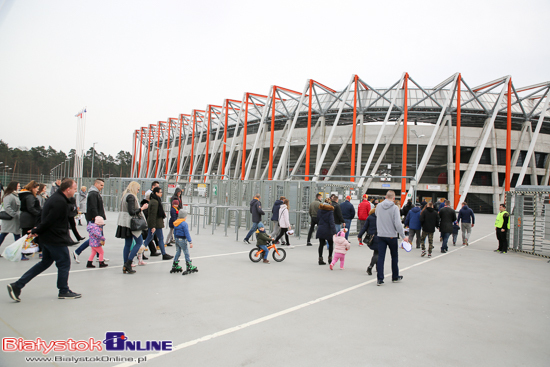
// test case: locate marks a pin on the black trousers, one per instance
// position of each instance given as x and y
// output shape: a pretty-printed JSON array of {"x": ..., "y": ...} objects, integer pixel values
[
  {"x": 502, "y": 239},
  {"x": 281, "y": 232},
  {"x": 322, "y": 244},
  {"x": 311, "y": 228}
]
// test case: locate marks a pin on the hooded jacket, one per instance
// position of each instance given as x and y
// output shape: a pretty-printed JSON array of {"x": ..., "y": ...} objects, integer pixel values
[
  {"x": 325, "y": 219},
  {"x": 30, "y": 210},
  {"x": 412, "y": 220},
  {"x": 341, "y": 245},
  {"x": 429, "y": 217},
  {"x": 262, "y": 238},
  {"x": 388, "y": 220},
  {"x": 363, "y": 210},
  {"x": 284, "y": 217},
  {"x": 466, "y": 215},
  {"x": 256, "y": 210},
  {"x": 275, "y": 210},
  {"x": 447, "y": 216},
  {"x": 94, "y": 205},
  {"x": 181, "y": 228}
]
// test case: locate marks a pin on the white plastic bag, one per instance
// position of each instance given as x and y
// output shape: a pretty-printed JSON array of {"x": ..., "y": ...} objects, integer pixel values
[
  {"x": 13, "y": 251},
  {"x": 406, "y": 246}
]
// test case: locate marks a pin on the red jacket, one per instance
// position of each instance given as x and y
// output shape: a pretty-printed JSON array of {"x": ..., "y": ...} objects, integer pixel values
[{"x": 363, "y": 210}]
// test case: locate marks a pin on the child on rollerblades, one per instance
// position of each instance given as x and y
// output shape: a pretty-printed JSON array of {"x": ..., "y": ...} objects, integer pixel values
[
  {"x": 341, "y": 246},
  {"x": 263, "y": 240},
  {"x": 97, "y": 240},
  {"x": 181, "y": 232}
]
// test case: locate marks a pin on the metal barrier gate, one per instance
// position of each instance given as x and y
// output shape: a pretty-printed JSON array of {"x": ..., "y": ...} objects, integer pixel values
[{"x": 529, "y": 207}]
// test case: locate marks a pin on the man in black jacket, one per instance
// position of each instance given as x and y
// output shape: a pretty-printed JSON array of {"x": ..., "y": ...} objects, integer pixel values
[
  {"x": 257, "y": 212},
  {"x": 94, "y": 208},
  {"x": 54, "y": 236},
  {"x": 338, "y": 217},
  {"x": 447, "y": 216}
]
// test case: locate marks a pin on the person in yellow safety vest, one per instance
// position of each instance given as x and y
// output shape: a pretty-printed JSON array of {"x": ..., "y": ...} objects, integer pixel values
[{"x": 502, "y": 225}]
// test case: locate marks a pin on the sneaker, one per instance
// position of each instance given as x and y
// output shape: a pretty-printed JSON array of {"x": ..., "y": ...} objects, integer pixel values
[
  {"x": 504, "y": 252},
  {"x": 454, "y": 243},
  {"x": 155, "y": 254},
  {"x": 14, "y": 292},
  {"x": 399, "y": 278},
  {"x": 266, "y": 261},
  {"x": 423, "y": 254},
  {"x": 443, "y": 251},
  {"x": 331, "y": 266},
  {"x": 69, "y": 295},
  {"x": 309, "y": 244},
  {"x": 277, "y": 242},
  {"x": 379, "y": 283},
  {"x": 369, "y": 270},
  {"x": 75, "y": 257},
  {"x": 104, "y": 259},
  {"x": 430, "y": 254},
  {"x": 496, "y": 251},
  {"x": 167, "y": 257},
  {"x": 246, "y": 241},
  {"x": 24, "y": 258}
]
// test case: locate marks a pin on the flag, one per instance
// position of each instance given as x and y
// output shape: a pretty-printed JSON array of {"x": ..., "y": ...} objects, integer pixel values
[{"x": 79, "y": 115}]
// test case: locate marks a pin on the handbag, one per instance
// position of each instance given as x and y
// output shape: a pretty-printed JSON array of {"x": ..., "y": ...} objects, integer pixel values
[
  {"x": 5, "y": 216},
  {"x": 138, "y": 223}
]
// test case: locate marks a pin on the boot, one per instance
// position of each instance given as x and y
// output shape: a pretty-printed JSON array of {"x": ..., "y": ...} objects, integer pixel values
[
  {"x": 127, "y": 268},
  {"x": 140, "y": 259},
  {"x": 330, "y": 259},
  {"x": 167, "y": 257},
  {"x": 102, "y": 264},
  {"x": 369, "y": 270},
  {"x": 90, "y": 264},
  {"x": 321, "y": 262}
]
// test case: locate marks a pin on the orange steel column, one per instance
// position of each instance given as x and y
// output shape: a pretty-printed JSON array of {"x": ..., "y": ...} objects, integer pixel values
[
  {"x": 270, "y": 173},
  {"x": 158, "y": 150},
  {"x": 404, "y": 160},
  {"x": 457, "y": 147},
  {"x": 353, "y": 132},
  {"x": 192, "y": 155},
  {"x": 309, "y": 128},
  {"x": 225, "y": 138},
  {"x": 179, "y": 149},
  {"x": 168, "y": 147},
  {"x": 508, "y": 139},
  {"x": 207, "y": 143},
  {"x": 244, "y": 138}
]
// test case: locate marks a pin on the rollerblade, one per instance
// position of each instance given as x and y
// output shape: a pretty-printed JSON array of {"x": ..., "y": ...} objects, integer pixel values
[
  {"x": 176, "y": 268},
  {"x": 190, "y": 269}
]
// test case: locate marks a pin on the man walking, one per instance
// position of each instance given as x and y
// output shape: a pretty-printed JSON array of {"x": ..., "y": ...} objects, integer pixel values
[
  {"x": 148, "y": 192},
  {"x": 502, "y": 225},
  {"x": 388, "y": 225},
  {"x": 348, "y": 213},
  {"x": 313, "y": 209},
  {"x": 54, "y": 238},
  {"x": 94, "y": 208},
  {"x": 429, "y": 219},
  {"x": 257, "y": 212},
  {"x": 338, "y": 218},
  {"x": 446, "y": 218},
  {"x": 363, "y": 210},
  {"x": 275, "y": 217},
  {"x": 412, "y": 220},
  {"x": 466, "y": 215}
]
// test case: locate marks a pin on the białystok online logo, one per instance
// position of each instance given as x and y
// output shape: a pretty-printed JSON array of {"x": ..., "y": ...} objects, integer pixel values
[{"x": 114, "y": 341}]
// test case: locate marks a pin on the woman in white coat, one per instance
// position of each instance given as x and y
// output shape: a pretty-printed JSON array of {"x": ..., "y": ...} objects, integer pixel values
[
  {"x": 12, "y": 206},
  {"x": 284, "y": 221}
]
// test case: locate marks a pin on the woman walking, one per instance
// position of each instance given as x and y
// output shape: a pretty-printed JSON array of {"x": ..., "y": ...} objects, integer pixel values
[
  {"x": 284, "y": 221},
  {"x": 30, "y": 211},
  {"x": 129, "y": 207},
  {"x": 82, "y": 199},
  {"x": 12, "y": 206},
  {"x": 155, "y": 221},
  {"x": 372, "y": 238},
  {"x": 325, "y": 229},
  {"x": 41, "y": 196}
]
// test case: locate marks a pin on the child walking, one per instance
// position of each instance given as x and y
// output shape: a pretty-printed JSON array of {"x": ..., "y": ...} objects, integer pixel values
[
  {"x": 456, "y": 228},
  {"x": 341, "y": 246},
  {"x": 181, "y": 232},
  {"x": 97, "y": 240}
]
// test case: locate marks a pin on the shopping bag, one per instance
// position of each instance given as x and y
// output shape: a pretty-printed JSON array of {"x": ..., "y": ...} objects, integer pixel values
[
  {"x": 13, "y": 251},
  {"x": 30, "y": 247},
  {"x": 406, "y": 246}
]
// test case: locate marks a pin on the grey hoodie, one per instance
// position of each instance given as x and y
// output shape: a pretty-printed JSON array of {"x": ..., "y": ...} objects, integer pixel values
[{"x": 388, "y": 220}]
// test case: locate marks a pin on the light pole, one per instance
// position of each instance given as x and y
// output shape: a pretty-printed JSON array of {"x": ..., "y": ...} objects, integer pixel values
[
  {"x": 416, "y": 168},
  {"x": 5, "y": 169},
  {"x": 93, "y": 155}
]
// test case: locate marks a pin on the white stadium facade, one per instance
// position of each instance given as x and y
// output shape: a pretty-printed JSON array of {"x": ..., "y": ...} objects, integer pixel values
[{"x": 456, "y": 141}]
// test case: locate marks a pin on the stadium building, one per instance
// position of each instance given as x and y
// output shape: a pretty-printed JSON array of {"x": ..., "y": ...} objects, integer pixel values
[{"x": 453, "y": 141}]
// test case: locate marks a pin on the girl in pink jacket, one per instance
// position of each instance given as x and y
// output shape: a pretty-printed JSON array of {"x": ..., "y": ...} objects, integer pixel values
[{"x": 341, "y": 246}]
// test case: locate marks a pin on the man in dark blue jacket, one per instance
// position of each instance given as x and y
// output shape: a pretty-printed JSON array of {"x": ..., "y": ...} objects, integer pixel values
[
  {"x": 468, "y": 220},
  {"x": 54, "y": 237},
  {"x": 275, "y": 217},
  {"x": 412, "y": 220},
  {"x": 257, "y": 212},
  {"x": 348, "y": 212}
]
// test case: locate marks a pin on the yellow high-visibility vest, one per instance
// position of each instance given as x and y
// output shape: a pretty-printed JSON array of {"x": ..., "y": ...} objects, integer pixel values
[{"x": 500, "y": 220}]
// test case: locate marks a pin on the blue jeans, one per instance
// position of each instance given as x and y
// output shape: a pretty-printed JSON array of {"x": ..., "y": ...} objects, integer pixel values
[
  {"x": 129, "y": 252},
  {"x": 254, "y": 228},
  {"x": 160, "y": 236},
  {"x": 4, "y": 235},
  {"x": 383, "y": 243},
  {"x": 348, "y": 226},
  {"x": 59, "y": 254},
  {"x": 445, "y": 240},
  {"x": 266, "y": 251},
  {"x": 181, "y": 245}
]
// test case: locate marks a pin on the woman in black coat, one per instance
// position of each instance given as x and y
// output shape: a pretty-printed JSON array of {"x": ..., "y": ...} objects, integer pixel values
[
  {"x": 30, "y": 211},
  {"x": 371, "y": 239},
  {"x": 325, "y": 230}
]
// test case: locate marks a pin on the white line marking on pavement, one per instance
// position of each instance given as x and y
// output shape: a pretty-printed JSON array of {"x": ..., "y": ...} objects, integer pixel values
[{"x": 280, "y": 313}]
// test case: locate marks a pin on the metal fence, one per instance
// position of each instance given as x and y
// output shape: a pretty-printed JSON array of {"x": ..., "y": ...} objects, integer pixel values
[{"x": 530, "y": 219}]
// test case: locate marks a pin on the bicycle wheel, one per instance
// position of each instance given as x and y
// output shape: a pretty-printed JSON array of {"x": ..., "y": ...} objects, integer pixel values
[
  {"x": 279, "y": 256},
  {"x": 254, "y": 255}
]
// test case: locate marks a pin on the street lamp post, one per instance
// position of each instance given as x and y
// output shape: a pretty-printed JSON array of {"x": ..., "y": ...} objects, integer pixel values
[
  {"x": 416, "y": 167},
  {"x": 93, "y": 155}
]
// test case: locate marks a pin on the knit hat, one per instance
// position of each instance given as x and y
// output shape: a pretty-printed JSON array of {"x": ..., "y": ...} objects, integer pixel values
[
  {"x": 175, "y": 202},
  {"x": 182, "y": 214},
  {"x": 99, "y": 221},
  {"x": 365, "y": 196},
  {"x": 260, "y": 225}
]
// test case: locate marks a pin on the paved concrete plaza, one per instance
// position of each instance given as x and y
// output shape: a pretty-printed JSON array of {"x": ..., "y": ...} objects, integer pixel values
[{"x": 469, "y": 307}]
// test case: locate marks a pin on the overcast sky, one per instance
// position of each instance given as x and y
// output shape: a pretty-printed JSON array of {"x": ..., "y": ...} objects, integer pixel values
[{"x": 132, "y": 63}]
